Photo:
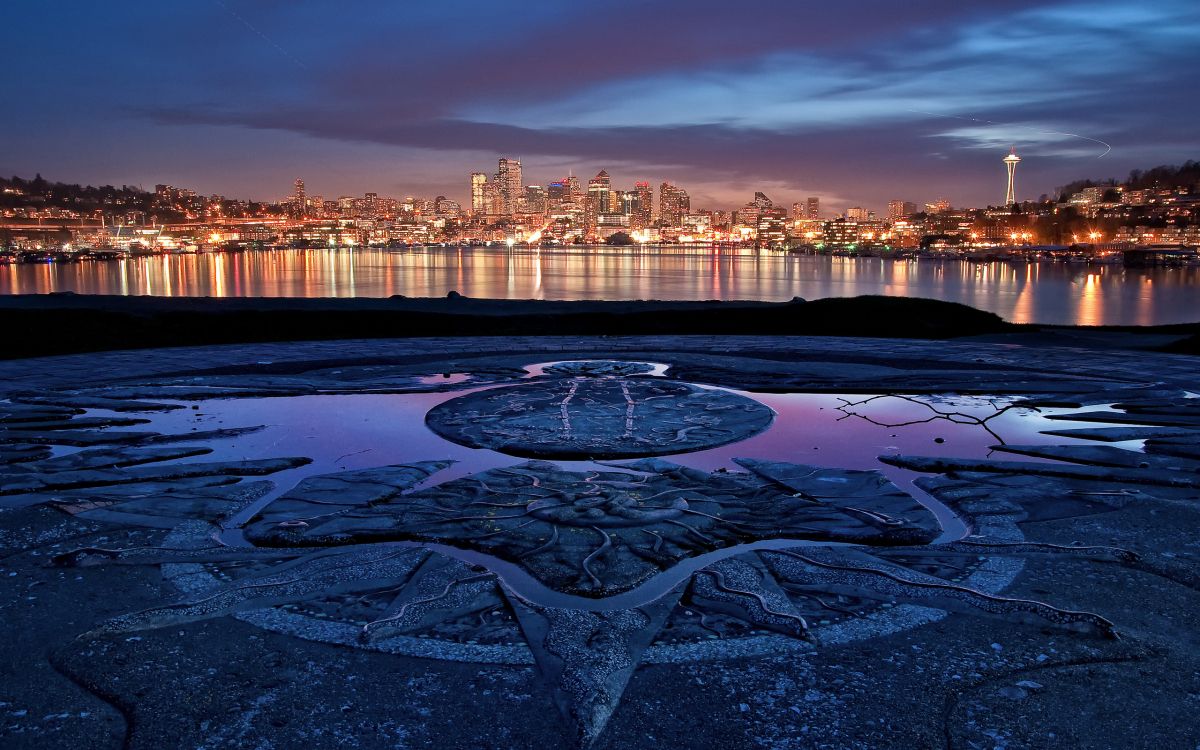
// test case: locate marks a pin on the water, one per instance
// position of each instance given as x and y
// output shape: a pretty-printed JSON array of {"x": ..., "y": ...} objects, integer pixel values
[
  {"x": 1051, "y": 293},
  {"x": 343, "y": 432}
]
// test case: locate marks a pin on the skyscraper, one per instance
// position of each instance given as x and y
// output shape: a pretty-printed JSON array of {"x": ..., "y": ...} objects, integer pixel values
[
  {"x": 300, "y": 198},
  {"x": 814, "y": 208},
  {"x": 556, "y": 195},
  {"x": 1011, "y": 161},
  {"x": 493, "y": 202},
  {"x": 643, "y": 207},
  {"x": 534, "y": 201},
  {"x": 597, "y": 198},
  {"x": 673, "y": 203},
  {"x": 478, "y": 193},
  {"x": 508, "y": 182},
  {"x": 574, "y": 193}
]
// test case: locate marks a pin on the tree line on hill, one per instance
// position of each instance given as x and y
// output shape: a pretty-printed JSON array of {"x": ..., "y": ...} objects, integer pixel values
[{"x": 1164, "y": 177}]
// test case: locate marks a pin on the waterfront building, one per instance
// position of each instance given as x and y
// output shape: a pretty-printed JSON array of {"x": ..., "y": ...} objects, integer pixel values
[
  {"x": 840, "y": 233},
  {"x": 771, "y": 228},
  {"x": 698, "y": 224}
]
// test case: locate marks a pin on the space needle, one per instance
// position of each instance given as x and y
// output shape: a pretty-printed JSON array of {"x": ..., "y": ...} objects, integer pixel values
[{"x": 1011, "y": 161}]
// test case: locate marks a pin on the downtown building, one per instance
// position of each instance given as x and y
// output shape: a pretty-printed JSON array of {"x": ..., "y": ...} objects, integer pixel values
[
  {"x": 509, "y": 185},
  {"x": 673, "y": 204}
]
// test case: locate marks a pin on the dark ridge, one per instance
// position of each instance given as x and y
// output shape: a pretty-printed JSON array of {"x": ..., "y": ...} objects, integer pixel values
[
  {"x": 1188, "y": 345},
  {"x": 38, "y": 325}
]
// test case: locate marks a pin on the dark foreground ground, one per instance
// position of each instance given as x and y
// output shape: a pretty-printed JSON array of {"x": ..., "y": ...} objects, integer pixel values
[
  {"x": 36, "y": 325},
  {"x": 1072, "y": 621}
]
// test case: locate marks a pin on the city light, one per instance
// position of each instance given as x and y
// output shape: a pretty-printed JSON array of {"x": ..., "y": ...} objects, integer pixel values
[{"x": 565, "y": 211}]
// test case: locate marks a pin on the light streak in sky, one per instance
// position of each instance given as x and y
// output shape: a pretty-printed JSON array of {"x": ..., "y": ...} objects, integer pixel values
[
  {"x": 1107, "y": 147},
  {"x": 264, "y": 37}
]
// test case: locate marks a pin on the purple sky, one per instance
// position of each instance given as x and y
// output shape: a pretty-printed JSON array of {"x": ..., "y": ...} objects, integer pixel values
[{"x": 857, "y": 102}]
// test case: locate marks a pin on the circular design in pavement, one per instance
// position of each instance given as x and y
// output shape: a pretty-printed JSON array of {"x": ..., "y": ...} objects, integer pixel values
[
  {"x": 599, "y": 418},
  {"x": 597, "y": 368}
]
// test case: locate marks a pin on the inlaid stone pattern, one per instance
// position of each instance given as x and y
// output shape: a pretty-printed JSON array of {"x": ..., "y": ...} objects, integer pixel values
[
  {"x": 389, "y": 559},
  {"x": 588, "y": 417},
  {"x": 600, "y": 533}
]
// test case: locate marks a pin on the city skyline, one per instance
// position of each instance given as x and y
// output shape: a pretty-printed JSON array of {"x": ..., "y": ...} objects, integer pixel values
[{"x": 857, "y": 105}]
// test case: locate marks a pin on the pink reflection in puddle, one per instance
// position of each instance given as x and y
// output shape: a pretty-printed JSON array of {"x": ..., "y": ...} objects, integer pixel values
[
  {"x": 341, "y": 432},
  {"x": 449, "y": 378}
]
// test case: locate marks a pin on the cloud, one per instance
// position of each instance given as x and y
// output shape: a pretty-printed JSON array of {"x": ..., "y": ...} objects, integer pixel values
[{"x": 849, "y": 99}]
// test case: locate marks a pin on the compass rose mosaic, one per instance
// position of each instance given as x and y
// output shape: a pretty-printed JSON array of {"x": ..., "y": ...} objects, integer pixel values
[{"x": 585, "y": 554}]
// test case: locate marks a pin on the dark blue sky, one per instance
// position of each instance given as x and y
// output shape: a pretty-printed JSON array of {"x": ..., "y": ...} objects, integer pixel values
[{"x": 858, "y": 102}]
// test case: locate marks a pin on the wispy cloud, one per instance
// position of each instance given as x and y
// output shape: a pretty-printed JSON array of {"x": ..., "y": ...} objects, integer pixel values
[{"x": 867, "y": 99}]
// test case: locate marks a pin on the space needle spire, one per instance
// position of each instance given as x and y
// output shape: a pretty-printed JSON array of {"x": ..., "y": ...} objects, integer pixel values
[{"x": 1011, "y": 161}]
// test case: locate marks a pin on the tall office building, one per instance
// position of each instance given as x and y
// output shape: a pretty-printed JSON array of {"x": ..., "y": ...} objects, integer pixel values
[
  {"x": 813, "y": 210},
  {"x": 598, "y": 198},
  {"x": 574, "y": 193},
  {"x": 479, "y": 183},
  {"x": 508, "y": 182},
  {"x": 642, "y": 212},
  {"x": 556, "y": 195},
  {"x": 534, "y": 201},
  {"x": 300, "y": 198},
  {"x": 673, "y": 203},
  {"x": 900, "y": 209},
  {"x": 493, "y": 202}
]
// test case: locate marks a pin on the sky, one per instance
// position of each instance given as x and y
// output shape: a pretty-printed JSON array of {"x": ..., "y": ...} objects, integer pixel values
[{"x": 857, "y": 102}]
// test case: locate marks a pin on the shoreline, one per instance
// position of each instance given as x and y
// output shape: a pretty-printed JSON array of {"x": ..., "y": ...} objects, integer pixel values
[{"x": 65, "y": 323}]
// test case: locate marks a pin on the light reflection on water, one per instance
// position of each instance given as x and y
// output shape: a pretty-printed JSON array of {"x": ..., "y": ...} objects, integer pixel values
[
  {"x": 345, "y": 432},
  {"x": 1053, "y": 293}
]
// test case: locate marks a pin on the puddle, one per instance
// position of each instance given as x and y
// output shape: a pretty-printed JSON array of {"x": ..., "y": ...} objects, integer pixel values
[{"x": 341, "y": 432}]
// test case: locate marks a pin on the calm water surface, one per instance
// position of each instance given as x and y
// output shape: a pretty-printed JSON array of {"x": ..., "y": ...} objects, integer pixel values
[
  {"x": 1024, "y": 293},
  {"x": 342, "y": 432}
]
